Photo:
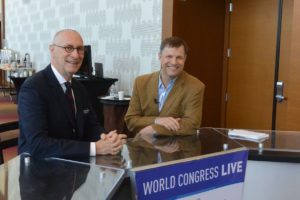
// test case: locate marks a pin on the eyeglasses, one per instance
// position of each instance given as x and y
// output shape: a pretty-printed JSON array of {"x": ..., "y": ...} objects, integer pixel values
[{"x": 70, "y": 49}]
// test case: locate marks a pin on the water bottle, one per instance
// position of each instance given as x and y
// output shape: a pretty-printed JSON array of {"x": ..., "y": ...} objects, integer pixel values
[{"x": 113, "y": 91}]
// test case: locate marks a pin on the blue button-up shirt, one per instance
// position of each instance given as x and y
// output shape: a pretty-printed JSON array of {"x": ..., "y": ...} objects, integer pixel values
[{"x": 163, "y": 92}]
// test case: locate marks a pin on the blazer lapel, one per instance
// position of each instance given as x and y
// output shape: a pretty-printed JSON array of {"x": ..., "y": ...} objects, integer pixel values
[
  {"x": 77, "y": 96},
  {"x": 59, "y": 94},
  {"x": 65, "y": 104},
  {"x": 174, "y": 93},
  {"x": 153, "y": 95},
  {"x": 79, "y": 108}
]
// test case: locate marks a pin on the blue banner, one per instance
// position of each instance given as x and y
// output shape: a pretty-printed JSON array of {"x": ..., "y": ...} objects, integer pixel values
[{"x": 192, "y": 177}]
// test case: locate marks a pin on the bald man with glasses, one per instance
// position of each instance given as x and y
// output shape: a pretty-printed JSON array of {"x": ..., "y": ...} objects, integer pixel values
[{"x": 56, "y": 118}]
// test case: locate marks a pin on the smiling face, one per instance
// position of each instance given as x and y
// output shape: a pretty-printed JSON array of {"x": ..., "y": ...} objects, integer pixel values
[
  {"x": 66, "y": 63},
  {"x": 172, "y": 60}
]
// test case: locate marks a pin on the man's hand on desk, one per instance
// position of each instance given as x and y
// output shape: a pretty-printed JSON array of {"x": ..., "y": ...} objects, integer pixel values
[
  {"x": 169, "y": 145},
  {"x": 148, "y": 130},
  {"x": 111, "y": 143},
  {"x": 146, "y": 134},
  {"x": 170, "y": 123},
  {"x": 112, "y": 161}
]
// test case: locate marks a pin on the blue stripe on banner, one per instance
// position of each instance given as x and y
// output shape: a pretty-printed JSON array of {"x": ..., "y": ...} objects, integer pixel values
[{"x": 184, "y": 179}]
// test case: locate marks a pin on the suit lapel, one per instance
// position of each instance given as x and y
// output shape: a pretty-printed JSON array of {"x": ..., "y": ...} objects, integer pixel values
[
  {"x": 77, "y": 96},
  {"x": 59, "y": 94},
  {"x": 64, "y": 102},
  {"x": 79, "y": 107}
]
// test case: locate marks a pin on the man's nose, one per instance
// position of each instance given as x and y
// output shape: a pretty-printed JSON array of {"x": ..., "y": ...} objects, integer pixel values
[{"x": 173, "y": 60}]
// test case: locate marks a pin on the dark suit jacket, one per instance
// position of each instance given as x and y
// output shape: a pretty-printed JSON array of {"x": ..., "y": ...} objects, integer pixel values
[
  {"x": 184, "y": 101},
  {"x": 47, "y": 127}
]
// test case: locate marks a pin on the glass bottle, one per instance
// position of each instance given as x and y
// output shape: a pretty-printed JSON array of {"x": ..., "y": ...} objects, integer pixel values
[{"x": 113, "y": 91}]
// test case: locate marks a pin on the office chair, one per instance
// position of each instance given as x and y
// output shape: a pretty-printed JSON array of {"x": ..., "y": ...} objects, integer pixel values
[{"x": 9, "y": 134}]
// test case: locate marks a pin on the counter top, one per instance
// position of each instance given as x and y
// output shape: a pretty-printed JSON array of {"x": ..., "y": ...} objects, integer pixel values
[
  {"x": 280, "y": 146},
  {"x": 84, "y": 177},
  {"x": 27, "y": 178}
]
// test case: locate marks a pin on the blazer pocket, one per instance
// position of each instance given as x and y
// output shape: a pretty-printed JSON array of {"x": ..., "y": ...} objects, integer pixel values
[{"x": 86, "y": 111}]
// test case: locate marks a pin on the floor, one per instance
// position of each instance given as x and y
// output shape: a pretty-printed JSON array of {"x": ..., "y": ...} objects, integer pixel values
[{"x": 10, "y": 153}]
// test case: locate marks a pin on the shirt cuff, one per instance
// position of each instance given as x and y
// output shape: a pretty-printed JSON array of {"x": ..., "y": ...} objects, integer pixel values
[{"x": 93, "y": 149}]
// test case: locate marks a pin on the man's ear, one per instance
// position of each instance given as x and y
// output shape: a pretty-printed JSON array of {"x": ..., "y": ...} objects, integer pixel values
[
  {"x": 51, "y": 47},
  {"x": 51, "y": 50},
  {"x": 159, "y": 55}
]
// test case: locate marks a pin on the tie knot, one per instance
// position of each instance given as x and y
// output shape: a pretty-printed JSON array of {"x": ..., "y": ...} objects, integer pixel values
[{"x": 68, "y": 85}]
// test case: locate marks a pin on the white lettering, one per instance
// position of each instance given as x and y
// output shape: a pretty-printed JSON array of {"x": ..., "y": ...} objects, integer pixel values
[
  {"x": 180, "y": 176},
  {"x": 147, "y": 188},
  {"x": 159, "y": 185},
  {"x": 240, "y": 166},
  {"x": 197, "y": 176},
  {"x": 155, "y": 186},
  {"x": 231, "y": 168},
  {"x": 172, "y": 182}
]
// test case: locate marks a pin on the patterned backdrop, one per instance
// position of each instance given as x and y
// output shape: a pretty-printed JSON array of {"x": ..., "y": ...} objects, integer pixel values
[{"x": 124, "y": 34}]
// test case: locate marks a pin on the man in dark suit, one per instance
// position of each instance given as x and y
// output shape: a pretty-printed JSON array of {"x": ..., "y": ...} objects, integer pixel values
[{"x": 55, "y": 124}]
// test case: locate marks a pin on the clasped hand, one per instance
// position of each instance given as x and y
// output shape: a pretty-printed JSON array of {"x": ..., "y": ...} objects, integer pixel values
[
  {"x": 170, "y": 123},
  {"x": 110, "y": 143}
]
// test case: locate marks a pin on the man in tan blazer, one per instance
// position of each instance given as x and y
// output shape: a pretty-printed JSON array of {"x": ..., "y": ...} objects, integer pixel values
[{"x": 169, "y": 101}]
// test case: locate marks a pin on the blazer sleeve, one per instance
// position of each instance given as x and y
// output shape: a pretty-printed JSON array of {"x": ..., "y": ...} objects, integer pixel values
[
  {"x": 191, "y": 116},
  {"x": 139, "y": 113}
]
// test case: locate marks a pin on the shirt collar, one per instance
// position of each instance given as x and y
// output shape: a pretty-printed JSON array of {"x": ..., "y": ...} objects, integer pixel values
[
  {"x": 58, "y": 76},
  {"x": 161, "y": 85}
]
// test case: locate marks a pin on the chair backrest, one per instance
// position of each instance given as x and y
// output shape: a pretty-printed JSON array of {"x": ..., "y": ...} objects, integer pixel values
[{"x": 8, "y": 136}]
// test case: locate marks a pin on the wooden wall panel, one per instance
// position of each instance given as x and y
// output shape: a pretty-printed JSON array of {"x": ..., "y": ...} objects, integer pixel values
[{"x": 201, "y": 24}]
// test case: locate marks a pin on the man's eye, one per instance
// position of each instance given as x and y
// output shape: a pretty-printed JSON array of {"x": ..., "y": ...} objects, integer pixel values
[{"x": 69, "y": 49}]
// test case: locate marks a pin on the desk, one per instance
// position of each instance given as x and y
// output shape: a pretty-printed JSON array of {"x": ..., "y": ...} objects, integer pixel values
[
  {"x": 175, "y": 156},
  {"x": 17, "y": 75},
  {"x": 114, "y": 111},
  {"x": 264, "y": 179},
  {"x": 18, "y": 81},
  {"x": 97, "y": 87},
  {"x": 55, "y": 178},
  {"x": 27, "y": 178},
  {"x": 281, "y": 146},
  {"x": 5, "y": 85},
  {"x": 273, "y": 169}
]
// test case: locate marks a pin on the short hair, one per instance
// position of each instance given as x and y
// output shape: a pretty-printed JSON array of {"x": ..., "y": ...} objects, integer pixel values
[{"x": 174, "y": 42}]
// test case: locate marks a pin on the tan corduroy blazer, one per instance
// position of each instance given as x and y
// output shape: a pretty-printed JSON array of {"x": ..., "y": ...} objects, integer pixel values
[{"x": 184, "y": 101}]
